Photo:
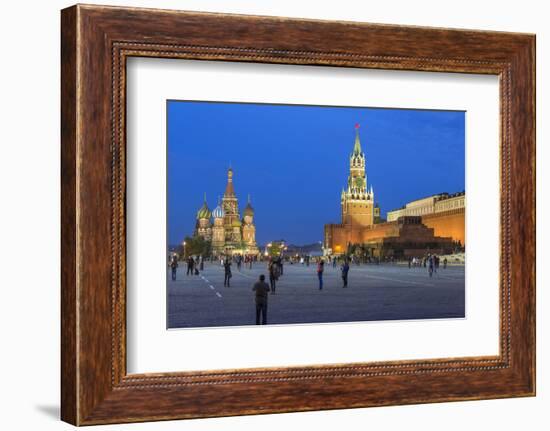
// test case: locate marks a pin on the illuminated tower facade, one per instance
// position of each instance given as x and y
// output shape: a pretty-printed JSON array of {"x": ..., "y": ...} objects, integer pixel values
[
  {"x": 357, "y": 200},
  {"x": 231, "y": 219},
  {"x": 249, "y": 230},
  {"x": 203, "y": 227},
  {"x": 218, "y": 231}
]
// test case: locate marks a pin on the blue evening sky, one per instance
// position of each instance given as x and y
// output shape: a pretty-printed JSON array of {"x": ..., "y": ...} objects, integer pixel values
[{"x": 293, "y": 160}]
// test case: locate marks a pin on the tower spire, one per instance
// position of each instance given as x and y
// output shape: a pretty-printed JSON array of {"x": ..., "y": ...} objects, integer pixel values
[
  {"x": 229, "y": 189},
  {"x": 357, "y": 147}
]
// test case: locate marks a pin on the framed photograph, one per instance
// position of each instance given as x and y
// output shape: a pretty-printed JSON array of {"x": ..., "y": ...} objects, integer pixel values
[{"x": 265, "y": 214}]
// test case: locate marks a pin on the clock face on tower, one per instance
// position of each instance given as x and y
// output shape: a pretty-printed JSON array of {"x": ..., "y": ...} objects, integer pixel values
[{"x": 359, "y": 182}]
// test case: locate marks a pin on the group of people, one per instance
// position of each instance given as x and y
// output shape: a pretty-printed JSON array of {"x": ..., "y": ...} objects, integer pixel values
[
  {"x": 239, "y": 260},
  {"x": 430, "y": 261},
  {"x": 275, "y": 267},
  {"x": 194, "y": 265},
  {"x": 344, "y": 269},
  {"x": 226, "y": 263}
]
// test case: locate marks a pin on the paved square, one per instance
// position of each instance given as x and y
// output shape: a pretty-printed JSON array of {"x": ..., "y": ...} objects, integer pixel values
[{"x": 375, "y": 292}]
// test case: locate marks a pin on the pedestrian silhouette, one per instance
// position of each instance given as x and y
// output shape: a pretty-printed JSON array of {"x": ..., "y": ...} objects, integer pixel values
[
  {"x": 320, "y": 269},
  {"x": 174, "y": 266},
  {"x": 261, "y": 289},
  {"x": 227, "y": 273},
  {"x": 190, "y": 265},
  {"x": 345, "y": 270},
  {"x": 273, "y": 275}
]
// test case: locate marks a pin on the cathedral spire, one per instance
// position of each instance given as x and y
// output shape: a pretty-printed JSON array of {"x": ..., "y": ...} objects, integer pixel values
[{"x": 229, "y": 189}]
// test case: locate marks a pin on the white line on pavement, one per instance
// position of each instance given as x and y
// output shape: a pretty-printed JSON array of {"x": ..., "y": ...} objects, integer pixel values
[{"x": 218, "y": 294}]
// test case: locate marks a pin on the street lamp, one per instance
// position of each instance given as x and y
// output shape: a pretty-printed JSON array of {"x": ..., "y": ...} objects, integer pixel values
[{"x": 184, "y": 243}]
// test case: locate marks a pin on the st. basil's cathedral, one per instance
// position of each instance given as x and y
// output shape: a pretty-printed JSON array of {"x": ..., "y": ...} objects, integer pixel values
[{"x": 223, "y": 226}]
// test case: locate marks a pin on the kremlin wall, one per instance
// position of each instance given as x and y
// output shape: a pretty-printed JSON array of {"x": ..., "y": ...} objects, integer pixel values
[{"x": 434, "y": 224}]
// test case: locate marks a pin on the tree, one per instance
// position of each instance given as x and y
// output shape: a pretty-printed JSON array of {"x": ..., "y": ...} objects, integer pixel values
[
  {"x": 275, "y": 249},
  {"x": 196, "y": 246}
]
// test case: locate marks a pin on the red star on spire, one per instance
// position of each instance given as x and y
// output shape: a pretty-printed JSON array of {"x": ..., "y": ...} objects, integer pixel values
[{"x": 356, "y": 125}]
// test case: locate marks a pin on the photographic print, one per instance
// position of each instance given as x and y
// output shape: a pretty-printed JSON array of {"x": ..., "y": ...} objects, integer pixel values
[{"x": 294, "y": 214}]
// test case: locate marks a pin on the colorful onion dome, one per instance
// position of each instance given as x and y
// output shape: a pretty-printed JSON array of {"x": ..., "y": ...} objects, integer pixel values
[
  {"x": 218, "y": 212},
  {"x": 203, "y": 212},
  {"x": 236, "y": 223},
  {"x": 248, "y": 210}
]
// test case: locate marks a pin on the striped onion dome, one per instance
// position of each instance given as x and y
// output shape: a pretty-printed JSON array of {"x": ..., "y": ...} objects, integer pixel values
[
  {"x": 203, "y": 212},
  {"x": 218, "y": 212}
]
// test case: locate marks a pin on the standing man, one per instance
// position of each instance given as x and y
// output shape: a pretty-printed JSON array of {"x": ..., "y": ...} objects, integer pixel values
[
  {"x": 273, "y": 274},
  {"x": 345, "y": 270},
  {"x": 430, "y": 265},
  {"x": 196, "y": 266},
  {"x": 261, "y": 288},
  {"x": 227, "y": 272},
  {"x": 174, "y": 266},
  {"x": 190, "y": 265},
  {"x": 320, "y": 269},
  {"x": 445, "y": 263}
]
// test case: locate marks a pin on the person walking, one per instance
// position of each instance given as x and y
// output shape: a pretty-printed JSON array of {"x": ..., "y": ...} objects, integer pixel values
[
  {"x": 190, "y": 265},
  {"x": 430, "y": 264},
  {"x": 345, "y": 270},
  {"x": 445, "y": 263},
  {"x": 239, "y": 262},
  {"x": 273, "y": 275},
  {"x": 196, "y": 266},
  {"x": 174, "y": 266},
  {"x": 320, "y": 269},
  {"x": 261, "y": 289},
  {"x": 227, "y": 272}
]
